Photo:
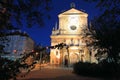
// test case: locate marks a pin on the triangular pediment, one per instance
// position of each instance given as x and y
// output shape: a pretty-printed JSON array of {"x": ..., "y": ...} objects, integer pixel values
[{"x": 73, "y": 11}]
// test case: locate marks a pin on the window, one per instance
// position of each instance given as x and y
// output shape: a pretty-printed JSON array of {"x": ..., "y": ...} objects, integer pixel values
[
  {"x": 80, "y": 51},
  {"x": 56, "y": 53},
  {"x": 73, "y": 27},
  {"x": 52, "y": 61}
]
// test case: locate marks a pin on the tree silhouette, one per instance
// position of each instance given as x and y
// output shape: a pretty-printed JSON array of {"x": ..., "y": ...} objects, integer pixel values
[
  {"x": 105, "y": 28},
  {"x": 26, "y": 12},
  {"x": 21, "y": 12}
]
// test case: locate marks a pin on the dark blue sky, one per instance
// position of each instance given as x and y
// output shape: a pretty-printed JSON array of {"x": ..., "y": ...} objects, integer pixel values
[{"x": 42, "y": 35}]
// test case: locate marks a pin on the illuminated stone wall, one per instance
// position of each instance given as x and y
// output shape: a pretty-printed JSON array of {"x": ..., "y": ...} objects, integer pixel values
[
  {"x": 71, "y": 18},
  {"x": 71, "y": 31}
]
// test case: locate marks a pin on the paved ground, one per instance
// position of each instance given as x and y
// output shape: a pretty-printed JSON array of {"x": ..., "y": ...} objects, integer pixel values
[{"x": 53, "y": 73}]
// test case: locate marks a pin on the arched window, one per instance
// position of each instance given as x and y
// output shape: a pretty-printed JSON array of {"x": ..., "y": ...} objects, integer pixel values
[{"x": 56, "y": 53}]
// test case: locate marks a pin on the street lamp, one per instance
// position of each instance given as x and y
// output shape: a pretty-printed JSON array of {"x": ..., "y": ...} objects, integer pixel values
[{"x": 40, "y": 59}]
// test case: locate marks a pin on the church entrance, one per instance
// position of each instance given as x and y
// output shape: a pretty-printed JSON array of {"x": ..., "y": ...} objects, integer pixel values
[
  {"x": 66, "y": 60},
  {"x": 74, "y": 57}
]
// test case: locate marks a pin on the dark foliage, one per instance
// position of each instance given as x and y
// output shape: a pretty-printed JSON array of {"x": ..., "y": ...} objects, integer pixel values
[
  {"x": 102, "y": 70},
  {"x": 105, "y": 28},
  {"x": 9, "y": 69},
  {"x": 32, "y": 12}
]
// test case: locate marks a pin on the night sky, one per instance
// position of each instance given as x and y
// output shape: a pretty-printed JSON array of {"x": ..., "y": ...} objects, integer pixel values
[{"x": 42, "y": 35}]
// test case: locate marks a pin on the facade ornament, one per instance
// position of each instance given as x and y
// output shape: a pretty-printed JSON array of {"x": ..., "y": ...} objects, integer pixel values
[{"x": 72, "y": 5}]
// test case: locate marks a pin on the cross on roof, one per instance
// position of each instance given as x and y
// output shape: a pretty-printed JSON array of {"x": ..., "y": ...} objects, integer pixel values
[{"x": 72, "y": 5}]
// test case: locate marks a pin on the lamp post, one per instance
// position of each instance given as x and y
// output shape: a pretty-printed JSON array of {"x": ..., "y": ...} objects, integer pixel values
[
  {"x": 91, "y": 51},
  {"x": 40, "y": 59},
  {"x": 90, "y": 56},
  {"x": 15, "y": 53},
  {"x": 80, "y": 55}
]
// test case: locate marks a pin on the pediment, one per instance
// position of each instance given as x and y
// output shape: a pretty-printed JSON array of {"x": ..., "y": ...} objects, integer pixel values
[{"x": 73, "y": 11}]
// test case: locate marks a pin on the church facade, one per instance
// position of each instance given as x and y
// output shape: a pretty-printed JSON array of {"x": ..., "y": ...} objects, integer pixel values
[{"x": 72, "y": 30}]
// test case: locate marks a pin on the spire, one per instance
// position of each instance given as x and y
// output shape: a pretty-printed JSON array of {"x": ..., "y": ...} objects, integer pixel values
[
  {"x": 90, "y": 25},
  {"x": 72, "y": 5},
  {"x": 56, "y": 26},
  {"x": 53, "y": 28}
]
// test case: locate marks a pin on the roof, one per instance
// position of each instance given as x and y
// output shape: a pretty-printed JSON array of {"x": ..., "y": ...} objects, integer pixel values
[{"x": 73, "y": 11}]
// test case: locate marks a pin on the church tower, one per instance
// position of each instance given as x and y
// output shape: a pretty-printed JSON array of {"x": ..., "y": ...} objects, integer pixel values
[{"x": 70, "y": 31}]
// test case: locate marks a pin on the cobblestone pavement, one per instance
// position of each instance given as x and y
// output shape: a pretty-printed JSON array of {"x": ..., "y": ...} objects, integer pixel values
[{"x": 54, "y": 73}]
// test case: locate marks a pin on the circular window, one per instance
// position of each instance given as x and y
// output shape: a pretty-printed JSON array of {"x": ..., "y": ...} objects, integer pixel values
[{"x": 73, "y": 27}]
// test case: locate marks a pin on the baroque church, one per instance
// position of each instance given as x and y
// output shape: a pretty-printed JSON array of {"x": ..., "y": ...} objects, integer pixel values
[{"x": 72, "y": 31}]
